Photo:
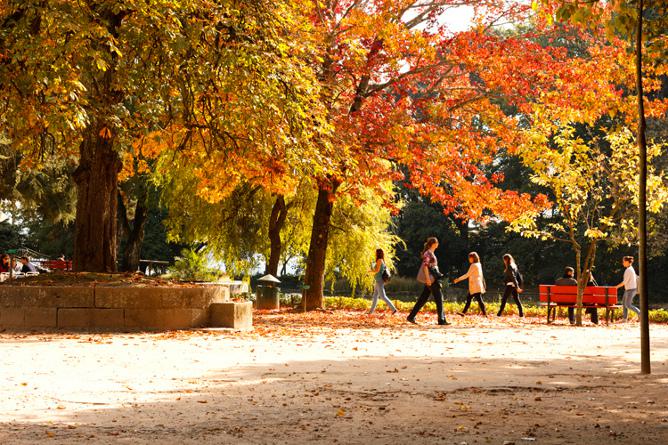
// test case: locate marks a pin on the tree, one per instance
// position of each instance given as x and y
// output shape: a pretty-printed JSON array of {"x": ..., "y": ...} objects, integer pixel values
[
  {"x": 400, "y": 89},
  {"x": 592, "y": 178},
  {"x": 92, "y": 78},
  {"x": 627, "y": 17}
]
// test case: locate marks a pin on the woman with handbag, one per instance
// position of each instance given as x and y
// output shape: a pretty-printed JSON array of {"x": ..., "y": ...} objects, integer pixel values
[
  {"x": 476, "y": 284},
  {"x": 429, "y": 275},
  {"x": 513, "y": 280},
  {"x": 379, "y": 283}
]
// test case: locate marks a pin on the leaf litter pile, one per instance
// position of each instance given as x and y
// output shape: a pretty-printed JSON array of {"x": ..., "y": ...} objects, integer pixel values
[{"x": 337, "y": 377}]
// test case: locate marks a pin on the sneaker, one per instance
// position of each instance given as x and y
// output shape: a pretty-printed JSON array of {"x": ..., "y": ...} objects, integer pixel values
[
  {"x": 444, "y": 323},
  {"x": 411, "y": 320}
]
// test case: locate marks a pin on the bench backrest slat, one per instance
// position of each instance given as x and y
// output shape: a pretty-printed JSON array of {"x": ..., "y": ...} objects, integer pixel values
[
  {"x": 57, "y": 264},
  {"x": 568, "y": 294}
]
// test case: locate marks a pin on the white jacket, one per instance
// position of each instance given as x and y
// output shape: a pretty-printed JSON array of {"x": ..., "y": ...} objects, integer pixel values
[
  {"x": 630, "y": 281},
  {"x": 476, "y": 280}
]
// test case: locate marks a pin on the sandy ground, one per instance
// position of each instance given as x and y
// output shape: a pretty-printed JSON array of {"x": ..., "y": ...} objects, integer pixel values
[{"x": 340, "y": 377}]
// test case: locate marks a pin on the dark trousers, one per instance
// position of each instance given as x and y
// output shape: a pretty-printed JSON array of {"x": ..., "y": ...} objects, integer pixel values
[
  {"x": 589, "y": 310},
  {"x": 478, "y": 298},
  {"x": 435, "y": 291},
  {"x": 511, "y": 290}
]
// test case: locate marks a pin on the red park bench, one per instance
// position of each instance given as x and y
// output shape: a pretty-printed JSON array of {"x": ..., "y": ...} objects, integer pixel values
[
  {"x": 57, "y": 264},
  {"x": 566, "y": 296}
]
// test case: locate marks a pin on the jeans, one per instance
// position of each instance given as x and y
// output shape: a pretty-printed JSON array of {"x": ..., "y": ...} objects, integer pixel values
[
  {"x": 478, "y": 298},
  {"x": 628, "y": 303},
  {"x": 511, "y": 290},
  {"x": 379, "y": 291},
  {"x": 435, "y": 290}
]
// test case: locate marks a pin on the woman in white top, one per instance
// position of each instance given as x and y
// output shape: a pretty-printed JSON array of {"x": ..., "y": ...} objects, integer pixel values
[
  {"x": 476, "y": 284},
  {"x": 630, "y": 286}
]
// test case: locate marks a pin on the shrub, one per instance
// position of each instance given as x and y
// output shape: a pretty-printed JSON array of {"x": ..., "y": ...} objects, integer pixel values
[
  {"x": 194, "y": 266},
  {"x": 361, "y": 304}
]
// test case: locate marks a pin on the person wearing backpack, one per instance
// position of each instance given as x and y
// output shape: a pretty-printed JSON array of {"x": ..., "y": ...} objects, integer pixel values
[
  {"x": 513, "y": 281},
  {"x": 476, "y": 284},
  {"x": 381, "y": 275}
]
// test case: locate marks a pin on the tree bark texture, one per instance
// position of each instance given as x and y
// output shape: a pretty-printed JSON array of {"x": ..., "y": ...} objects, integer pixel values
[
  {"x": 279, "y": 213},
  {"x": 96, "y": 180},
  {"x": 134, "y": 232},
  {"x": 317, "y": 253}
]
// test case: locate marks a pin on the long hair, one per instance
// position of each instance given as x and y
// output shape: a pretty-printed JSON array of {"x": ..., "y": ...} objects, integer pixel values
[
  {"x": 380, "y": 255},
  {"x": 509, "y": 261},
  {"x": 430, "y": 242},
  {"x": 475, "y": 256}
]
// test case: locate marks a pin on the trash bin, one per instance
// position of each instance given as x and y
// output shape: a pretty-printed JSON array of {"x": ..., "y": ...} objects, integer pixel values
[{"x": 267, "y": 293}]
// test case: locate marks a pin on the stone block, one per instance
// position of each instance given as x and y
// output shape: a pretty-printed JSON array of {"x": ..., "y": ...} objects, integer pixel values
[
  {"x": 11, "y": 296},
  {"x": 60, "y": 296},
  {"x": 90, "y": 318},
  {"x": 217, "y": 293},
  {"x": 182, "y": 318},
  {"x": 41, "y": 317},
  {"x": 200, "y": 318},
  {"x": 127, "y": 297},
  {"x": 182, "y": 297},
  {"x": 236, "y": 315},
  {"x": 12, "y": 317}
]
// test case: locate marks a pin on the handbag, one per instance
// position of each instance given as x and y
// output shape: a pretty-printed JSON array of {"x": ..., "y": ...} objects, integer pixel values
[
  {"x": 386, "y": 275},
  {"x": 435, "y": 273}
]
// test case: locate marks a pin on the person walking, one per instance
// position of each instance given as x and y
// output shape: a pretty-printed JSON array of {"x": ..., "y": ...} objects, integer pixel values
[
  {"x": 379, "y": 284},
  {"x": 476, "y": 284},
  {"x": 429, "y": 276},
  {"x": 513, "y": 281},
  {"x": 630, "y": 285}
]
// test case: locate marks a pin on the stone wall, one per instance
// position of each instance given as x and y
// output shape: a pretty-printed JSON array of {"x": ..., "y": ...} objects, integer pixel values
[{"x": 108, "y": 307}]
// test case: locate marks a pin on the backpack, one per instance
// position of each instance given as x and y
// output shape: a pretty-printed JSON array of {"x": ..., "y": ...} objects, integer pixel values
[{"x": 386, "y": 275}]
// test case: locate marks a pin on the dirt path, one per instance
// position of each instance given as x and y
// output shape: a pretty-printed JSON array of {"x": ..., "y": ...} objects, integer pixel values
[{"x": 338, "y": 377}]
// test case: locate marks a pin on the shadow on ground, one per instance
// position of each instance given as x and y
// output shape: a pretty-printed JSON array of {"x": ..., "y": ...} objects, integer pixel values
[{"x": 382, "y": 400}]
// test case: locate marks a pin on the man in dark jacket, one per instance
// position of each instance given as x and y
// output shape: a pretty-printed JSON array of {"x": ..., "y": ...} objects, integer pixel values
[{"x": 568, "y": 280}]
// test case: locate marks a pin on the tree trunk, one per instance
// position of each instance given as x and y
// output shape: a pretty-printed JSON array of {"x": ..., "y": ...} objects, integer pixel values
[
  {"x": 317, "y": 252},
  {"x": 463, "y": 226},
  {"x": 645, "y": 365},
  {"x": 134, "y": 235},
  {"x": 583, "y": 277},
  {"x": 279, "y": 213},
  {"x": 96, "y": 177},
  {"x": 96, "y": 180},
  {"x": 578, "y": 271}
]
